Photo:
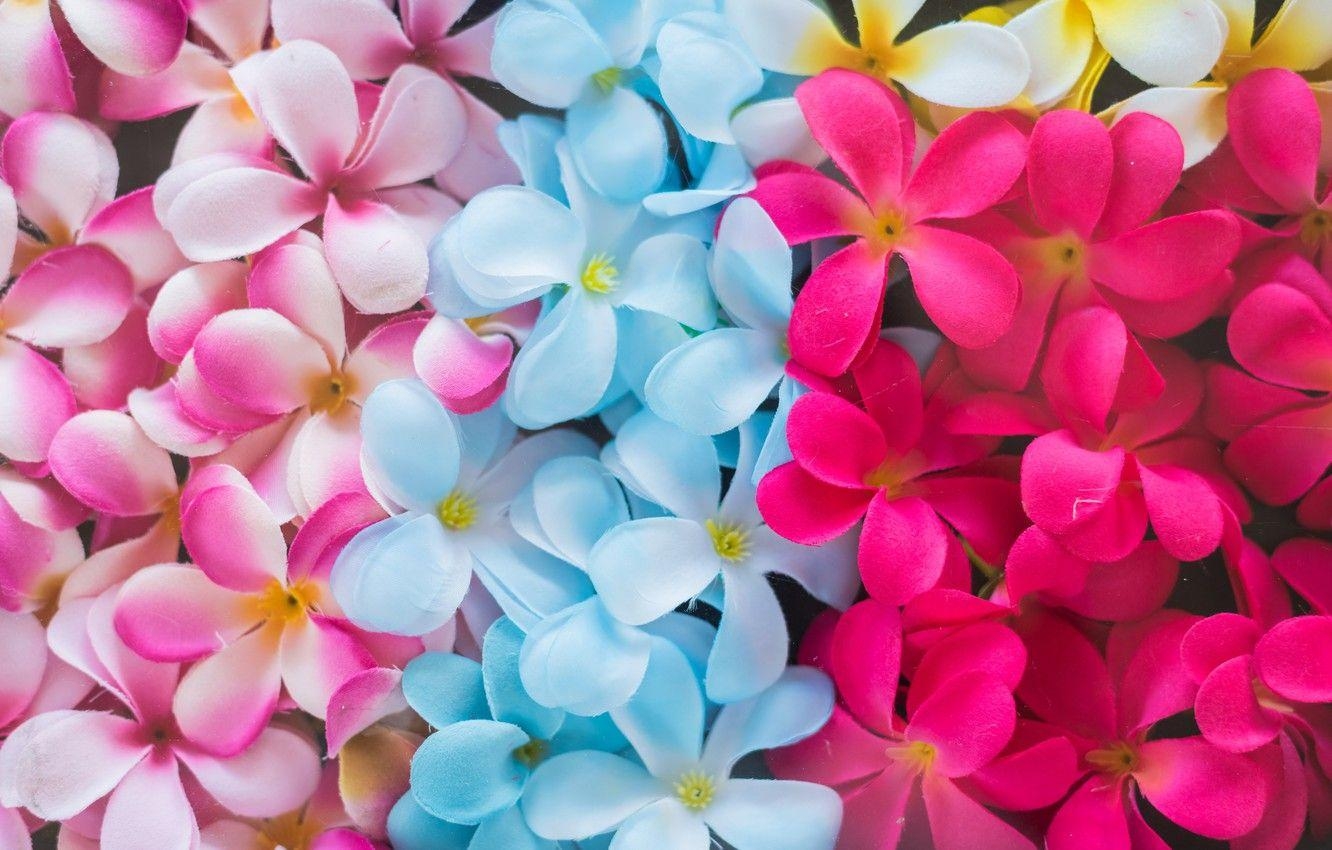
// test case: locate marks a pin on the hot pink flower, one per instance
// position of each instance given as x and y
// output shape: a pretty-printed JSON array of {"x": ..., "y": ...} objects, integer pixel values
[
  {"x": 62, "y": 763},
  {"x": 965, "y": 285},
  {"x": 360, "y": 176},
  {"x": 959, "y": 746},
  {"x": 1268, "y": 164},
  {"x": 1090, "y": 238},
  {"x": 1108, "y": 706},
  {"x": 890, "y": 462},
  {"x": 259, "y": 620},
  {"x": 372, "y": 42}
]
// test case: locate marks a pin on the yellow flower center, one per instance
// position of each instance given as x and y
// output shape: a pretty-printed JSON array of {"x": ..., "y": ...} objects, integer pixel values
[
  {"x": 607, "y": 78},
  {"x": 600, "y": 275},
  {"x": 919, "y": 754},
  {"x": 288, "y": 832},
  {"x": 729, "y": 539},
  {"x": 1118, "y": 759},
  {"x": 1316, "y": 227},
  {"x": 695, "y": 789},
  {"x": 458, "y": 511},
  {"x": 330, "y": 393},
  {"x": 532, "y": 753},
  {"x": 284, "y": 604}
]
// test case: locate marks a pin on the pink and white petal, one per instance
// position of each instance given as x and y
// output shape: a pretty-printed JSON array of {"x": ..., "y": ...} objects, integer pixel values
[
  {"x": 295, "y": 281},
  {"x": 966, "y": 287},
  {"x": 459, "y": 366},
  {"x": 429, "y": 20},
  {"x": 418, "y": 127},
  {"x": 62, "y": 170},
  {"x": 149, "y": 809},
  {"x": 147, "y": 685},
  {"x": 237, "y": 26},
  {"x": 275, "y": 775},
  {"x": 1201, "y": 788},
  {"x": 236, "y": 211},
  {"x": 227, "y": 699},
  {"x": 195, "y": 76},
  {"x": 32, "y": 63},
  {"x": 378, "y": 262},
  {"x": 188, "y": 300},
  {"x": 307, "y": 100},
  {"x": 41, "y": 502},
  {"x": 105, "y": 373},
  {"x": 68, "y": 764},
  {"x": 365, "y": 34},
  {"x": 130, "y": 36},
  {"x": 1275, "y": 130},
  {"x": 35, "y": 400},
  {"x": 71, "y": 296},
  {"x": 325, "y": 459},
  {"x": 229, "y": 346},
  {"x": 970, "y": 167},
  {"x": 903, "y": 548},
  {"x": 264, "y": 458},
  {"x": 111, "y": 565},
  {"x": 128, "y": 228},
  {"x": 318, "y": 656},
  {"x": 359, "y": 702},
  {"x": 23, "y": 642},
  {"x": 9, "y": 229},
  {"x": 423, "y": 209},
  {"x": 203, "y": 406},
  {"x": 467, "y": 53},
  {"x": 867, "y": 143},
  {"x": 234, "y": 538},
  {"x": 482, "y": 161},
  {"x": 176, "y": 613},
  {"x": 320, "y": 538},
  {"x": 222, "y": 125},
  {"x": 13, "y": 828},
  {"x": 385, "y": 354},
  {"x": 104, "y": 459},
  {"x": 839, "y": 309}
]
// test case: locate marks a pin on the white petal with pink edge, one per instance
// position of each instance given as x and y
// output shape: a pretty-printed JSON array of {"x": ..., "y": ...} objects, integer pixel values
[
  {"x": 175, "y": 612},
  {"x": 128, "y": 228},
  {"x": 325, "y": 459},
  {"x": 416, "y": 105},
  {"x": 378, "y": 262},
  {"x": 188, "y": 300},
  {"x": 104, "y": 459},
  {"x": 62, "y": 171},
  {"x": 227, "y": 350},
  {"x": 365, "y": 34},
  {"x": 130, "y": 36},
  {"x": 35, "y": 400},
  {"x": 150, "y": 809},
  {"x": 307, "y": 100},
  {"x": 159, "y": 414},
  {"x": 34, "y": 75},
  {"x": 71, "y": 296},
  {"x": 223, "y": 125},
  {"x": 67, "y": 765},
  {"x": 275, "y": 775},
  {"x": 318, "y": 656},
  {"x": 23, "y": 656},
  {"x": 384, "y": 355},
  {"x": 103, "y": 374},
  {"x": 295, "y": 280},
  {"x": 234, "y": 538},
  {"x": 196, "y": 75},
  {"x": 227, "y": 699},
  {"x": 238, "y": 211}
]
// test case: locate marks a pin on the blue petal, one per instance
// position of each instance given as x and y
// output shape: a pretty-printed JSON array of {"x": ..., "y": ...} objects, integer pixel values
[
  {"x": 528, "y": 584},
  {"x": 715, "y": 381},
  {"x": 529, "y": 140},
  {"x": 345, "y": 578},
  {"x": 467, "y": 771},
  {"x": 668, "y": 275},
  {"x": 409, "y": 444},
  {"x": 508, "y": 698},
  {"x": 508, "y": 830},
  {"x": 546, "y": 52},
  {"x": 776, "y": 451},
  {"x": 412, "y": 582},
  {"x": 646, "y": 568},
  {"x": 445, "y": 689},
  {"x": 706, "y": 73},
  {"x": 411, "y": 827},
  {"x": 792, "y": 709},
  {"x": 618, "y": 143},
  {"x": 664, "y": 719},
  {"x": 578, "y": 795},
  {"x": 667, "y": 465},
  {"x": 751, "y": 268},
  {"x": 725, "y": 175},
  {"x": 566, "y": 364},
  {"x": 570, "y": 504},
  {"x": 520, "y": 241},
  {"x": 555, "y": 660},
  {"x": 751, "y": 646},
  {"x": 645, "y": 338}
]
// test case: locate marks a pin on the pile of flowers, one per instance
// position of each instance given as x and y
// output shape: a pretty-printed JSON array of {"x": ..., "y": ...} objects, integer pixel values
[{"x": 777, "y": 440}]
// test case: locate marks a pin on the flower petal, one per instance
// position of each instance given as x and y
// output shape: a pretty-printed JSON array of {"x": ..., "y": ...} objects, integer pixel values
[
  {"x": 236, "y": 211},
  {"x": 1289, "y": 661},
  {"x": 838, "y": 311},
  {"x": 276, "y": 774},
  {"x": 968, "y": 288},
  {"x": 467, "y": 771},
  {"x": 234, "y": 538},
  {"x": 1070, "y": 167},
  {"x": 67, "y": 764},
  {"x": 176, "y": 613},
  {"x": 950, "y": 181},
  {"x": 411, "y": 448},
  {"x": 787, "y": 495},
  {"x": 35, "y": 400},
  {"x": 645, "y": 568},
  {"x": 967, "y": 64},
  {"x": 364, "y": 34},
  {"x": 62, "y": 170},
  {"x": 106, "y": 461},
  {"x": 764, "y": 814},
  {"x": 168, "y": 822},
  {"x": 1172, "y": 43},
  {"x": 70, "y": 296},
  {"x": 578, "y": 795},
  {"x": 227, "y": 699},
  {"x": 870, "y": 144},
  {"x": 1275, "y": 130},
  {"x": 1203, "y": 789}
]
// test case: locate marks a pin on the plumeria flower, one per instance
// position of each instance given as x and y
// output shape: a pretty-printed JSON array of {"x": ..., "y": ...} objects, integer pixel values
[
  {"x": 490, "y": 736},
  {"x": 1294, "y": 39},
  {"x": 448, "y": 485},
  {"x": 607, "y": 271},
  {"x": 373, "y": 43},
  {"x": 959, "y": 745},
  {"x": 706, "y": 74},
  {"x": 1092, "y": 240},
  {"x": 60, "y": 763},
  {"x": 682, "y": 792},
  {"x": 966, "y": 63},
  {"x": 39, "y": 541},
  {"x": 966, "y": 286},
  {"x": 715, "y": 548},
  {"x": 256, "y": 618},
  {"x": 359, "y": 176},
  {"x": 888, "y": 463}
]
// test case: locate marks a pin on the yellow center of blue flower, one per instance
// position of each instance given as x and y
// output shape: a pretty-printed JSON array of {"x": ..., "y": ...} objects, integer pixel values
[
  {"x": 600, "y": 274},
  {"x": 607, "y": 78},
  {"x": 457, "y": 511},
  {"x": 695, "y": 789},
  {"x": 532, "y": 753},
  {"x": 729, "y": 539}
]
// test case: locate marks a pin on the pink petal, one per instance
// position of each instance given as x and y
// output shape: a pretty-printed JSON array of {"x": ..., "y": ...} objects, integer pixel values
[
  {"x": 1069, "y": 170},
  {"x": 1149, "y": 263},
  {"x": 238, "y": 27},
  {"x": 188, "y": 300},
  {"x": 236, "y": 211},
  {"x": 67, "y": 764},
  {"x": 128, "y": 228},
  {"x": 1228, "y": 712},
  {"x": 1203, "y": 789},
  {"x": 149, "y": 809},
  {"x": 1038, "y": 564},
  {"x": 841, "y": 752},
  {"x": 234, "y": 538},
  {"x": 957, "y": 822},
  {"x": 1092, "y": 817},
  {"x": 1185, "y": 511},
  {"x": 226, "y": 700},
  {"x": 968, "y": 719},
  {"x": 227, "y": 348},
  {"x": 877, "y": 810},
  {"x": 318, "y": 656},
  {"x": 465, "y": 370},
  {"x": 24, "y": 654},
  {"x": 365, "y": 34},
  {"x": 264, "y": 458},
  {"x": 802, "y": 508},
  {"x": 1282, "y": 335},
  {"x": 32, "y": 62},
  {"x": 429, "y": 20},
  {"x": 320, "y": 538},
  {"x": 1084, "y": 365},
  {"x": 834, "y": 440},
  {"x": 62, "y": 170},
  {"x": 889, "y": 383},
  {"x": 838, "y": 311},
  {"x": 416, "y": 105},
  {"x": 966, "y": 287},
  {"x": 1306, "y": 565},
  {"x": 1145, "y": 659},
  {"x": 866, "y": 143},
  {"x": 35, "y": 400},
  {"x": 1292, "y": 659},
  {"x": 985, "y": 511},
  {"x": 806, "y": 205},
  {"x": 201, "y": 405},
  {"x": 1064, "y": 486},
  {"x": 1148, "y": 158},
  {"x": 111, "y": 565},
  {"x": 968, "y": 168},
  {"x": 325, "y": 459},
  {"x": 1280, "y": 459},
  {"x": 295, "y": 281},
  {"x": 70, "y": 296},
  {"x": 195, "y": 76},
  {"x": 130, "y": 36},
  {"x": 867, "y": 661},
  {"x": 482, "y": 162},
  {"x": 378, "y": 262},
  {"x": 1274, "y": 127},
  {"x": 1128, "y": 589},
  {"x": 307, "y": 101},
  {"x": 361, "y": 701},
  {"x": 177, "y": 613},
  {"x": 1067, "y": 682},
  {"x": 103, "y": 374},
  {"x": 275, "y": 775},
  {"x": 903, "y": 547},
  {"x": 106, "y": 461},
  {"x": 1036, "y": 770},
  {"x": 989, "y": 648}
]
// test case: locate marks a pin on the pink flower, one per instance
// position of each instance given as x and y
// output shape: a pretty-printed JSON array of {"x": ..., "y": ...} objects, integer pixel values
[
  {"x": 360, "y": 176},
  {"x": 372, "y": 42},
  {"x": 466, "y": 361},
  {"x": 966, "y": 286},
  {"x": 1108, "y": 707},
  {"x": 259, "y": 620},
  {"x": 39, "y": 541},
  {"x": 1089, "y": 238},
  {"x": 890, "y": 462},
  {"x": 959, "y": 747},
  {"x": 63, "y": 763}
]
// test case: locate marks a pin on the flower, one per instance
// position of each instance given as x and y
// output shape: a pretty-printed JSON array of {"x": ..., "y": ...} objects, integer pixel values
[
  {"x": 682, "y": 791},
  {"x": 967, "y": 287}
]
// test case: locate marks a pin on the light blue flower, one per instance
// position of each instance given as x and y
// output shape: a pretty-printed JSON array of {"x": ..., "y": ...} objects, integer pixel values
[
  {"x": 447, "y": 482},
  {"x": 490, "y": 736},
  {"x": 705, "y": 73},
  {"x": 618, "y": 283},
  {"x": 713, "y": 548},
  {"x": 682, "y": 791}
]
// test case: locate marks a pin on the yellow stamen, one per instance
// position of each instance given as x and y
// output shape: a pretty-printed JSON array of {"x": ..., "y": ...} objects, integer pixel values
[
  {"x": 1316, "y": 227},
  {"x": 731, "y": 540},
  {"x": 695, "y": 789},
  {"x": 600, "y": 275},
  {"x": 532, "y": 753},
  {"x": 1118, "y": 759},
  {"x": 458, "y": 511},
  {"x": 918, "y": 754},
  {"x": 288, "y": 832},
  {"x": 329, "y": 393},
  {"x": 284, "y": 604},
  {"x": 607, "y": 78}
]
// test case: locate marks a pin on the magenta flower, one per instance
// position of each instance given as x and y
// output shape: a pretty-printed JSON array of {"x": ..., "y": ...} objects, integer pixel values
[
  {"x": 466, "y": 361},
  {"x": 39, "y": 541},
  {"x": 1091, "y": 239},
  {"x": 258, "y": 620},
  {"x": 60, "y": 763},
  {"x": 890, "y": 462},
  {"x": 966, "y": 286},
  {"x": 360, "y": 176}
]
